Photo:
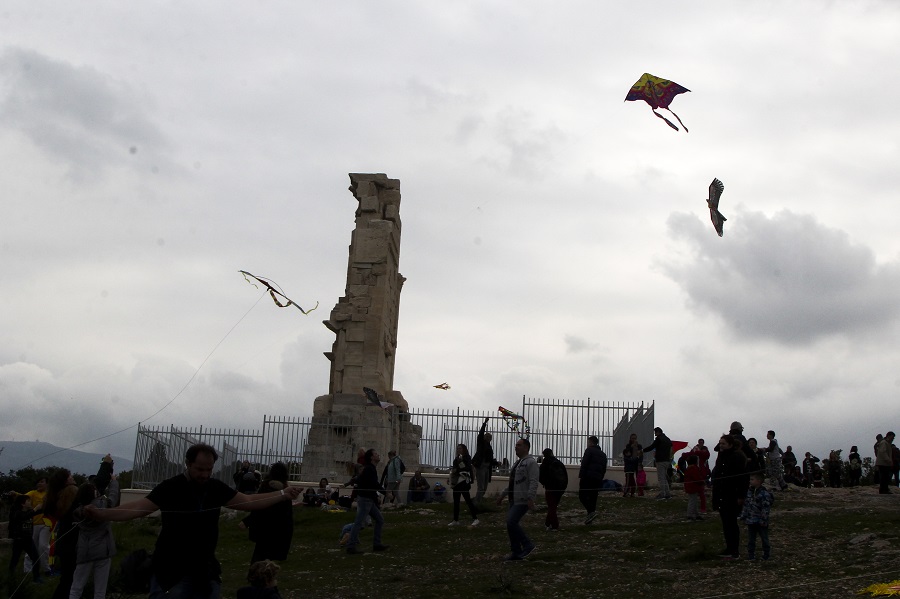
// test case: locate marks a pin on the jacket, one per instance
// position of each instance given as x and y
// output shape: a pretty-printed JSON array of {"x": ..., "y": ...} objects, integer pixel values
[
  {"x": 523, "y": 481},
  {"x": 663, "y": 446},
  {"x": 593, "y": 464},
  {"x": 757, "y": 505}
]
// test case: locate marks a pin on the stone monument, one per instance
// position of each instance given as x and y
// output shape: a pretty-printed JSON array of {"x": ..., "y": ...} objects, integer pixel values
[{"x": 364, "y": 322}]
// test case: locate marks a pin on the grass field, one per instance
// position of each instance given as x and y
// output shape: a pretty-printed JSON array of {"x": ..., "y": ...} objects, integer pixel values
[{"x": 825, "y": 543}]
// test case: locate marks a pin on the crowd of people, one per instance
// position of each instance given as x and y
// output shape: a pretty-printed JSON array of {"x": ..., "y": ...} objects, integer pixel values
[{"x": 184, "y": 563}]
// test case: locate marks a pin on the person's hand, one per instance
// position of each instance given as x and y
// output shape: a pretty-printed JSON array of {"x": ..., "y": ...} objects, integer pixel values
[
  {"x": 531, "y": 504},
  {"x": 292, "y": 492},
  {"x": 91, "y": 511},
  {"x": 500, "y": 500},
  {"x": 241, "y": 525}
]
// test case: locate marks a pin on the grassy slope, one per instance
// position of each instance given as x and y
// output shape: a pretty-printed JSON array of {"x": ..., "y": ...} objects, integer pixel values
[{"x": 636, "y": 548}]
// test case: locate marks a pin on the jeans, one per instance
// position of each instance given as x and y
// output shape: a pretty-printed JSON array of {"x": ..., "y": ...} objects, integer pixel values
[
  {"x": 464, "y": 495},
  {"x": 729, "y": 512},
  {"x": 662, "y": 477},
  {"x": 25, "y": 545},
  {"x": 693, "y": 506},
  {"x": 518, "y": 540},
  {"x": 41, "y": 537},
  {"x": 588, "y": 488},
  {"x": 366, "y": 507},
  {"x": 763, "y": 532},
  {"x": 100, "y": 569},
  {"x": 482, "y": 478},
  {"x": 187, "y": 588},
  {"x": 553, "y": 498}
]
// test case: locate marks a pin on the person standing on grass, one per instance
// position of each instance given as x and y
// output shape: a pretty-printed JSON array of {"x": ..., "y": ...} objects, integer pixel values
[
  {"x": 663, "y": 447},
  {"x": 522, "y": 489},
  {"x": 774, "y": 466},
  {"x": 729, "y": 490},
  {"x": 483, "y": 460},
  {"x": 694, "y": 486},
  {"x": 461, "y": 476},
  {"x": 555, "y": 478},
  {"x": 632, "y": 456},
  {"x": 755, "y": 515},
  {"x": 591, "y": 475},
  {"x": 367, "y": 490},
  {"x": 391, "y": 477},
  {"x": 884, "y": 461},
  {"x": 184, "y": 561}
]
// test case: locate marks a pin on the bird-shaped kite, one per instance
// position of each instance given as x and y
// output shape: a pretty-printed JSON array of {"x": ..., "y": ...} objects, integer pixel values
[
  {"x": 373, "y": 398},
  {"x": 443, "y": 386},
  {"x": 272, "y": 291},
  {"x": 715, "y": 192},
  {"x": 658, "y": 93}
]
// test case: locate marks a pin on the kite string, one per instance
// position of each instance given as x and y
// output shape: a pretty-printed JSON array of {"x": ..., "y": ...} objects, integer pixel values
[{"x": 177, "y": 395}]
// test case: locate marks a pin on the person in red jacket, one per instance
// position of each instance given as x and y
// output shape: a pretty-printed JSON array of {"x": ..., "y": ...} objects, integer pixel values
[
  {"x": 694, "y": 487},
  {"x": 702, "y": 452}
]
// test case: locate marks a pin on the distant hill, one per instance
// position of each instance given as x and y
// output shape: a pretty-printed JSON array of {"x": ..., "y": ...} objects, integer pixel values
[{"x": 20, "y": 454}]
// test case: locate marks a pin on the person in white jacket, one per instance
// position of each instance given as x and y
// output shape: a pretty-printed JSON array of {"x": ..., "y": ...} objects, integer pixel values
[{"x": 522, "y": 489}]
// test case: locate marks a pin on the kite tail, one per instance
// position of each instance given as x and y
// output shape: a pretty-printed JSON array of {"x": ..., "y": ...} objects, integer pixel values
[
  {"x": 668, "y": 122},
  {"x": 679, "y": 120}
]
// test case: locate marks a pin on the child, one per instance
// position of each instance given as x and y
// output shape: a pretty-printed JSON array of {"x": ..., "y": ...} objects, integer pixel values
[
  {"x": 756, "y": 515},
  {"x": 263, "y": 584},
  {"x": 694, "y": 486},
  {"x": 20, "y": 529},
  {"x": 96, "y": 546}
]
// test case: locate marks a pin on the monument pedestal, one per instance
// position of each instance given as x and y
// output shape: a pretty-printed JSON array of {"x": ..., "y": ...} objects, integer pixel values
[{"x": 364, "y": 322}]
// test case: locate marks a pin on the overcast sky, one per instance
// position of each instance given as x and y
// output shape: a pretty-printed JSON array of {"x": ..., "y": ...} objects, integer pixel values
[{"x": 556, "y": 240}]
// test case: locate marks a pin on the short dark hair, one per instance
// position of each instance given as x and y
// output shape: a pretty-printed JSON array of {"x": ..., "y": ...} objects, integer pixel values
[
  {"x": 692, "y": 459},
  {"x": 368, "y": 456},
  {"x": 758, "y": 475},
  {"x": 526, "y": 442},
  {"x": 772, "y": 433},
  {"x": 593, "y": 439},
  {"x": 190, "y": 456}
]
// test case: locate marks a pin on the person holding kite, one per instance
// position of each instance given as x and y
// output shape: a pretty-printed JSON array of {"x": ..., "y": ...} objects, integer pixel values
[{"x": 483, "y": 460}]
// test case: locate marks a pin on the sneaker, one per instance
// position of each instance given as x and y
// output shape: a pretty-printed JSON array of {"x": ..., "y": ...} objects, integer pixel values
[
  {"x": 528, "y": 551},
  {"x": 380, "y": 548},
  {"x": 512, "y": 557},
  {"x": 475, "y": 522},
  {"x": 726, "y": 555},
  {"x": 590, "y": 517},
  {"x": 353, "y": 551},
  {"x": 454, "y": 523}
]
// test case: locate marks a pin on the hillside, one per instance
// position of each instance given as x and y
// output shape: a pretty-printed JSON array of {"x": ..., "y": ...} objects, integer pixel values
[{"x": 19, "y": 454}]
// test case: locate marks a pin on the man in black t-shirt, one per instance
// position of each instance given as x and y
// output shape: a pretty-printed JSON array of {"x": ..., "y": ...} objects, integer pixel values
[{"x": 184, "y": 561}]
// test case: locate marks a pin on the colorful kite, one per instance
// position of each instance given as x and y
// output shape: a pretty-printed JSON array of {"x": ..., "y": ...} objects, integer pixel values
[
  {"x": 658, "y": 93},
  {"x": 512, "y": 422},
  {"x": 443, "y": 386},
  {"x": 373, "y": 398},
  {"x": 715, "y": 192},
  {"x": 271, "y": 286}
]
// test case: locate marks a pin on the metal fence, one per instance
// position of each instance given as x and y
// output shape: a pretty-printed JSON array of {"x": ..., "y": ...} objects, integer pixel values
[{"x": 561, "y": 425}]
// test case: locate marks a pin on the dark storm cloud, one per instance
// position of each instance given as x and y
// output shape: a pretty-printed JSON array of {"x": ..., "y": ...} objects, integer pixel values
[
  {"x": 787, "y": 278},
  {"x": 76, "y": 114}
]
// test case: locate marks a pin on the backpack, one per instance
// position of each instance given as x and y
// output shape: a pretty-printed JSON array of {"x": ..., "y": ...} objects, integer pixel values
[
  {"x": 559, "y": 475},
  {"x": 134, "y": 572},
  {"x": 402, "y": 465}
]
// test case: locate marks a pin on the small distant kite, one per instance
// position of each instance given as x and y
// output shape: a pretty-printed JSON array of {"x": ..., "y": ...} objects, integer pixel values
[
  {"x": 373, "y": 398},
  {"x": 271, "y": 286},
  {"x": 658, "y": 93},
  {"x": 512, "y": 423},
  {"x": 715, "y": 192},
  {"x": 443, "y": 386}
]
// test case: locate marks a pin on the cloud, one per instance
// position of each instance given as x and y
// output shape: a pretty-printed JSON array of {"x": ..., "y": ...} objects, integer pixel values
[
  {"x": 787, "y": 278},
  {"x": 577, "y": 345},
  {"x": 76, "y": 114}
]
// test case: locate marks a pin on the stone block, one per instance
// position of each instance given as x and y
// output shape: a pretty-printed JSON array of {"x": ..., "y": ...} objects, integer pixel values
[{"x": 369, "y": 204}]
